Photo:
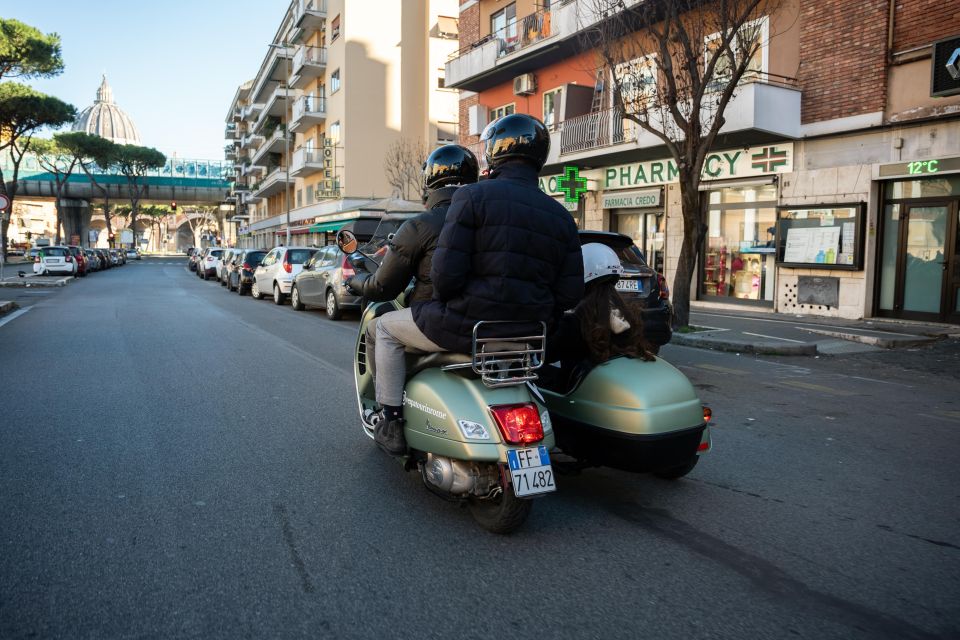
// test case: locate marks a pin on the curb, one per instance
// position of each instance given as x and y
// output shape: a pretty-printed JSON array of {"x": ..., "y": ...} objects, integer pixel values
[
  {"x": 763, "y": 348},
  {"x": 6, "y": 306},
  {"x": 876, "y": 341},
  {"x": 28, "y": 282}
]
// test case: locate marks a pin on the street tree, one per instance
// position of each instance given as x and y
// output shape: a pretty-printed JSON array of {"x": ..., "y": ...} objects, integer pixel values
[
  {"x": 674, "y": 67},
  {"x": 157, "y": 214},
  {"x": 26, "y": 52},
  {"x": 59, "y": 161},
  {"x": 402, "y": 164},
  {"x": 134, "y": 162},
  {"x": 94, "y": 155},
  {"x": 23, "y": 112}
]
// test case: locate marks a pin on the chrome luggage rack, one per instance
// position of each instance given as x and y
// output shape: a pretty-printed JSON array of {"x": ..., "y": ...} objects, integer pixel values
[{"x": 505, "y": 361}]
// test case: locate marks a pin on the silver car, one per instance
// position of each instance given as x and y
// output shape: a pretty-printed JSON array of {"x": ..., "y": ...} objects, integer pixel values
[{"x": 320, "y": 284}]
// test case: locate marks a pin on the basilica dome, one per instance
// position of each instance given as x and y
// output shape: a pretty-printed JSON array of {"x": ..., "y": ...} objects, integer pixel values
[{"x": 105, "y": 119}]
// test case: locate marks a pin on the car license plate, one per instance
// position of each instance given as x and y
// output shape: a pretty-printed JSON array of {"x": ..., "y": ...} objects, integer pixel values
[
  {"x": 628, "y": 285},
  {"x": 53, "y": 260},
  {"x": 530, "y": 471}
]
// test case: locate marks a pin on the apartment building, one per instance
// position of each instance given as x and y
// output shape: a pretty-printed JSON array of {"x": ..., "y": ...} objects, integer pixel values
[
  {"x": 340, "y": 83},
  {"x": 834, "y": 189}
]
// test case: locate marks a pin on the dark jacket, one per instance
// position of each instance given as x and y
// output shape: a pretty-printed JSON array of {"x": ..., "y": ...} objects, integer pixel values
[
  {"x": 409, "y": 255},
  {"x": 507, "y": 251}
]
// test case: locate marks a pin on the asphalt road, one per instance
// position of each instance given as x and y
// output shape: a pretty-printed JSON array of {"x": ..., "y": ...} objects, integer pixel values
[{"x": 177, "y": 461}]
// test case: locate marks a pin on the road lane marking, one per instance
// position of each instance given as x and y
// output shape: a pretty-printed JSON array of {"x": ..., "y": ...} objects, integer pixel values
[
  {"x": 896, "y": 384},
  {"x": 807, "y": 324},
  {"x": 15, "y": 314},
  {"x": 809, "y": 386},
  {"x": 942, "y": 415},
  {"x": 717, "y": 368},
  {"x": 760, "y": 335}
]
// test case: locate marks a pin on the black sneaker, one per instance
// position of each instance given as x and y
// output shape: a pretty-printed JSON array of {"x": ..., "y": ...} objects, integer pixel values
[{"x": 388, "y": 434}]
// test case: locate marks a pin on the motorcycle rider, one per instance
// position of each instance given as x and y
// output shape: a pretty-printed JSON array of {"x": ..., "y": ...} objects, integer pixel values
[
  {"x": 410, "y": 252},
  {"x": 506, "y": 251}
]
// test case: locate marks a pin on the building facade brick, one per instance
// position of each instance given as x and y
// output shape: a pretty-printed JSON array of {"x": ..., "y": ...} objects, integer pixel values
[{"x": 843, "y": 52}]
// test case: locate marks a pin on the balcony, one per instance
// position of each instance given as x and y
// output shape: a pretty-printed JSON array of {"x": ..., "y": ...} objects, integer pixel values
[
  {"x": 230, "y": 152},
  {"x": 526, "y": 45},
  {"x": 308, "y": 64},
  {"x": 230, "y": 132},
  {"x": 252, "y": 140},
  {"x": 273, "y": 183},
  {"x": 310, "y": 15},
  {"x": 307, "y": 112},
  {"x": 306, "y": 162},
  {"x": 273, "y": 144},
  {"x": 764, "y": 108}
]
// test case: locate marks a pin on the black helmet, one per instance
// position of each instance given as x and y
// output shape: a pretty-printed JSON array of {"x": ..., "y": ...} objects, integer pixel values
[
  {"x": 517, "y": 136},
  {"x": 450, "y": 164}
]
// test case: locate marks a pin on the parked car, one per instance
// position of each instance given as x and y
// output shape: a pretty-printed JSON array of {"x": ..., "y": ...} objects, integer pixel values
[
  {"x": 224, "y": 265},
  {"x": 193, "y": 254},
  {"x": 208, "y": 265},
  {"x": 320, "y": 284},
  {"x": 639, "y": 283},
  {"x": 81, "y": 259},
  {"x": 132, "y": 254},
  {"x": 55, "y": 260},
  {"x": 241, "y": 278},
  {"x": 93, "y": 260},
  {"x": 277, "y": 271},
  {"x": 31, "y": 254}
]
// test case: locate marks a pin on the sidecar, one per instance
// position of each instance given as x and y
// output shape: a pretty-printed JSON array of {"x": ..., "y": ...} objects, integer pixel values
[{"x": 629, "y": 414}]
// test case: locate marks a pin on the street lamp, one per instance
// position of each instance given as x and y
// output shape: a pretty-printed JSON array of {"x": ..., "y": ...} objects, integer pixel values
[{"x": 286, "y": 136}]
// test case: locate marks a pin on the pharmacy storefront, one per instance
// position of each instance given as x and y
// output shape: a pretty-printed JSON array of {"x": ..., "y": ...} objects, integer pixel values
[{"x": 738, "y": 257}]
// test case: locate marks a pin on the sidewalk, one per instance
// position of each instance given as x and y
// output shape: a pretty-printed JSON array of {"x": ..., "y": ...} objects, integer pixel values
[{"x": 783, "y": 334}]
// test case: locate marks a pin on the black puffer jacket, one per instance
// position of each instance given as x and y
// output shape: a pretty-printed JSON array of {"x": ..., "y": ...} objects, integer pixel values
[
  {"x": 409, "y": 255},
  {"x": 507, "y": 251}
]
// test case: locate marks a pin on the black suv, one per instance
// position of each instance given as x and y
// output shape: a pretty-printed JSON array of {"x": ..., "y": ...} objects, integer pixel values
[{"x": 639, "y": 283}]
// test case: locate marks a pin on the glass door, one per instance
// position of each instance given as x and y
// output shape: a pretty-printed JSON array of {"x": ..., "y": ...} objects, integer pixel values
[{"x": 924, "y": 238}]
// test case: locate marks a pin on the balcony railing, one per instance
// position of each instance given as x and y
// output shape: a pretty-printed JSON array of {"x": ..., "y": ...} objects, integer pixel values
[
  {"x": 310, "y": 13},
  {"x": 308, "y": 110},
  {"x": 594, "y": 130},
  {"x": 528, "y": 30},
  {"x": 306, "y": 162}
]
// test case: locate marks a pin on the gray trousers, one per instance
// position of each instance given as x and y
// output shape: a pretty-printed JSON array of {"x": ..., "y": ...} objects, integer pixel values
[{"x": 397, "y": 334}]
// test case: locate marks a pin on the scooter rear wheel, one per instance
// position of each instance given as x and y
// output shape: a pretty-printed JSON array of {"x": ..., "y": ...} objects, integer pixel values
[{"x": 503, "y": 514}]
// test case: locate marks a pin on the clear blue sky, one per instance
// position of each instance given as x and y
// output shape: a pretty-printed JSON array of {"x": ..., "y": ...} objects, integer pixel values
[{"x": 174, "y": 65}]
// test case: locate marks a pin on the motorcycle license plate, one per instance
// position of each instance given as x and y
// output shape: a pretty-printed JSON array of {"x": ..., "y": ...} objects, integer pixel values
[{"x": 530, "y": 471}]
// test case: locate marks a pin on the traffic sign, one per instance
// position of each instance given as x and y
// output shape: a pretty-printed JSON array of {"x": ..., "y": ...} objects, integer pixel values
[{"x": 4, "y": 202}]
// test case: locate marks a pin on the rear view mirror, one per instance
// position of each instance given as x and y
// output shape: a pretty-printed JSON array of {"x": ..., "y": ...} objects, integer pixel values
[{"x": 346, "y": 241}]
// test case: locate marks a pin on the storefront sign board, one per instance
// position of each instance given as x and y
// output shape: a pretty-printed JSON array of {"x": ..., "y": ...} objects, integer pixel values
[
  {"x": 632, "y": 199},
  {"x": 721, "y": 165},
  {"x": 736, "y": 163}
]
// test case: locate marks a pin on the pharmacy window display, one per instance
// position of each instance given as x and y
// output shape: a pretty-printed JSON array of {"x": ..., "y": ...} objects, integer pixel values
[
  {"x": 740, "y": 248},
  {"x": 821, "y": 237}
]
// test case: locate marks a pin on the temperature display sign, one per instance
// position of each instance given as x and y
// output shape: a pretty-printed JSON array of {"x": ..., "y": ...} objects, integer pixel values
[{"x": 920, "y": 167}]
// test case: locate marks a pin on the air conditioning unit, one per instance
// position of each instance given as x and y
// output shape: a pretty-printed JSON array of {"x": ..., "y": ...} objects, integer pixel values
[{"x": 524, "y": 85}]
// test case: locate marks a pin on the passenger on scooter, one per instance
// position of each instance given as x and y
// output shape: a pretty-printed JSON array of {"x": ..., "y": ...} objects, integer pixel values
[
  {"x": 602, "y": 326},
  {"x": 507, "y": 251},
  {"x": 410, "y": 252}
]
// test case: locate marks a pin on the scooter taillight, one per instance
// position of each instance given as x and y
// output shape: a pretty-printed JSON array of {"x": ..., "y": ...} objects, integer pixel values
[{"x": 518, "y": 423}]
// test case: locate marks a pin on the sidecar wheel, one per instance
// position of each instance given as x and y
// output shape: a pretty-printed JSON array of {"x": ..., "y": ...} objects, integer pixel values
[
  {"x": 501, "y": 515},
  {"x": 675, "y": 473}
]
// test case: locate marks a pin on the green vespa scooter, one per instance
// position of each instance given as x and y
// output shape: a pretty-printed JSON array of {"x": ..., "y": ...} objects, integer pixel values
[{"x": 476, "y": 431}]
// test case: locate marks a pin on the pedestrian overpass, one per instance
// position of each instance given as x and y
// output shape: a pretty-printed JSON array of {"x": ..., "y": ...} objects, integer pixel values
[{"x": 186, "y": 182}]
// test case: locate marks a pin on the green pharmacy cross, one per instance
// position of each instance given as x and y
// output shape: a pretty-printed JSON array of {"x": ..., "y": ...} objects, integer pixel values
[{"x": 572, "y": 185}]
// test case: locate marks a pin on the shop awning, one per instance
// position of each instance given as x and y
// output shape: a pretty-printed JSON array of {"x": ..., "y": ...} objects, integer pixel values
[{"x": 329, "y": 226}]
